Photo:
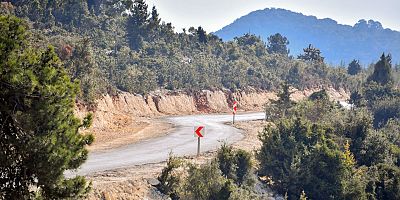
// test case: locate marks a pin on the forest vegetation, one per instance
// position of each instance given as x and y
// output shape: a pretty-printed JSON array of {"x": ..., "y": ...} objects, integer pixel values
[
  {"x": 312, "y": 149},
  {"x": 113, "y": 46}
]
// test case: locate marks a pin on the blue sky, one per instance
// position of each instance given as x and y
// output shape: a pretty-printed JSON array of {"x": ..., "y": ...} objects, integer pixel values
[{"x": 214, "y": 14}]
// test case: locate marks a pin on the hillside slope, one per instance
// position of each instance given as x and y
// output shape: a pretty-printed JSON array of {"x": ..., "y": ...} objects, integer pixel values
[
  {"x": 110, "y": 51},
  {"x": 363, "y": 41}
]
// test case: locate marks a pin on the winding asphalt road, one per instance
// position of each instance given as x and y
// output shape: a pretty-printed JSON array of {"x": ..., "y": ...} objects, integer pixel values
[{"x": 181, "y": 142}]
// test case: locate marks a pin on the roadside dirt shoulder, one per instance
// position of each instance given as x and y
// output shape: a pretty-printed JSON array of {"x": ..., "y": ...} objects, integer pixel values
[
  {"x": 131, "y": 131},
  {"x": 250, "y": 130}
]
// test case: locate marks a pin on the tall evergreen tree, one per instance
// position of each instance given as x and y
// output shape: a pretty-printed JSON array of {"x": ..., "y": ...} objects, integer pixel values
[
  {"x": 201, "y": 34},
  {"x": 311, "y": 54},
  {"x": 279, "y": 108},
  {"x": 284, "y": 102},
  {"x": 154, "y": 25},
  {"x": 39, "y": 136},
  {"x": 354, "y": 67},
  {"x": 278, "y": 44},
  {"x": 137, "y": 24},
  {"x": 155, "y": 18},
  {"x": 382, "y": 71}
]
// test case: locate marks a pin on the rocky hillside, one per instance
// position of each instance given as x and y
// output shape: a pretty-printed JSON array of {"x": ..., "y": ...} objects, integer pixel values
[{"x": 364, "y": 41}]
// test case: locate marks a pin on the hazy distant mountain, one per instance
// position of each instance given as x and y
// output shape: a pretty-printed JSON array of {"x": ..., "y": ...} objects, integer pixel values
[{"x": 365, "y": 41}]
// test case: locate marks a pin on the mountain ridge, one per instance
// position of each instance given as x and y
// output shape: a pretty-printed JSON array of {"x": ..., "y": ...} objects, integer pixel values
[{"x": 339, "y": 43}]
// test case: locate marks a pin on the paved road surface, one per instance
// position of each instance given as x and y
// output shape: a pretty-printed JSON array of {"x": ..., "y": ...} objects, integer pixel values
[{"x": 181, "y": 142}]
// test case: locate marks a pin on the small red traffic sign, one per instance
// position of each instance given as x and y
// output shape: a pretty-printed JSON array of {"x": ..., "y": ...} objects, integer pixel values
[
  {"x": 199, "y": 131},
  {"x": 234, "y": 106}
]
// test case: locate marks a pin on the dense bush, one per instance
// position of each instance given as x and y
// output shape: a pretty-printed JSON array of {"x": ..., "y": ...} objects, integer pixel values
[
  {"x": 298, "y": 156},
  {"x": 236, "y": 165},
  {"x": 228, "y": 176},
  {"x": 170, "y": 177},
  {"x": 303, "y": 150}
]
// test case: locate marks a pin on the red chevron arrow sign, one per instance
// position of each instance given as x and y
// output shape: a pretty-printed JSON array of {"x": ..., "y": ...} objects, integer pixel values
[
  {"x": 234, "y": 107},
  {"x": 199, "y": 131}
]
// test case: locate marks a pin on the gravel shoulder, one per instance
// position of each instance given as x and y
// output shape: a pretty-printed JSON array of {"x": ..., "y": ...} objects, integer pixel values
[{"x": 131, "y": 132}]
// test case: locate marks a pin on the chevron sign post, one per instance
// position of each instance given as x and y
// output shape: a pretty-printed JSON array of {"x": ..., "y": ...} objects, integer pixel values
[
  {"x": 199, "y": 132},
  {"x": 234, "y": 109}
]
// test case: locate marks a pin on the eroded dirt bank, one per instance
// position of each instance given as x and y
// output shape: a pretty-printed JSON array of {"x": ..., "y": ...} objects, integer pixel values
[{"x": 128, "y": 118}]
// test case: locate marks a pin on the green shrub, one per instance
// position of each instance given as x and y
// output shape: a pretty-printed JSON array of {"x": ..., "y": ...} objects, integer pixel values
[{"x": 170, "y": 179}]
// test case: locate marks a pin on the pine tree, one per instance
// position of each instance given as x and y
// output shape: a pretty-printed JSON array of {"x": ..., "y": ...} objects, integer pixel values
[
  {"x": 279, "y": 108},
  {"x": 311, "y": 54},
  {"x": 278, "y": 44},
  {"x": 137, "y": 24},
  {"x": 154, "y": 19},
  {"x": 382, "y": 71},
  {"x": 354, "y": 67},
  {"x": 284, "y": 103},
  {"x": 139, "y": 12},
  {"x": 39, "y": 136},
  {"x": 201, "y": 34},
  {"x": 154, "y": 25}
]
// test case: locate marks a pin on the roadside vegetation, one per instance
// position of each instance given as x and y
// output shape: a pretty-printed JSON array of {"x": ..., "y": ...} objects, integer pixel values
[
  {"x": 229, "y": 176},
  {"x": 39, "y": 134},
  {"x": 334, "y": 153},
  {"x": 313, "y": 149}
]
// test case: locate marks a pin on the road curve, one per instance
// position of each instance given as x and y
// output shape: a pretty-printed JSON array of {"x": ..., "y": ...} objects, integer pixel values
[{"x": 181, "y": 142}]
